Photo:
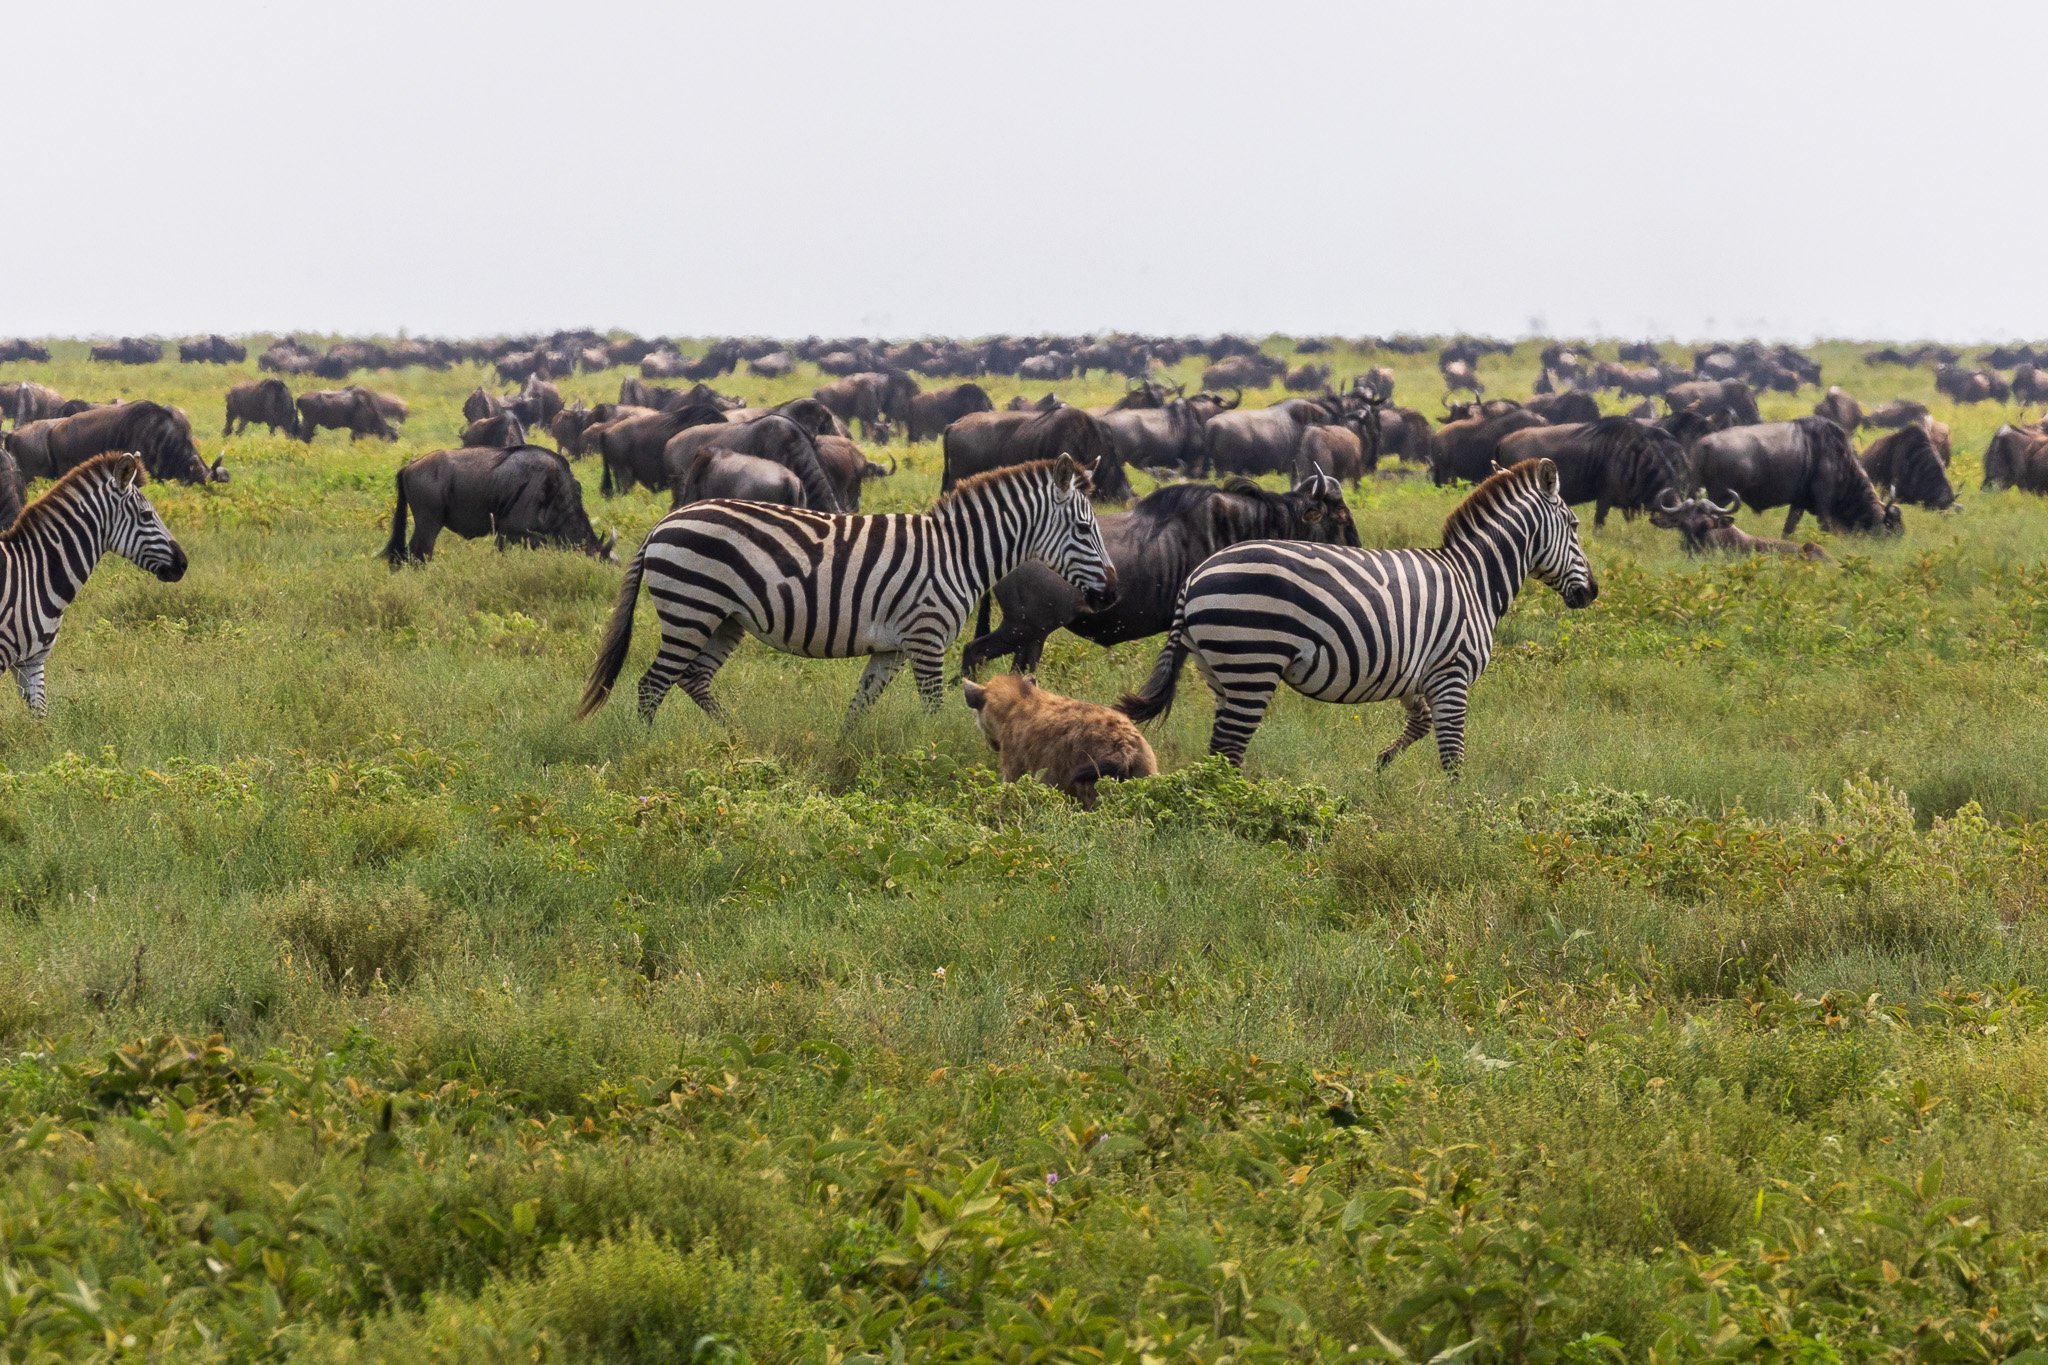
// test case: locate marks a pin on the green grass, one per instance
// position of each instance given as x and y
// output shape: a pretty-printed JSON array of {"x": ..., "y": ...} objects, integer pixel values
[{"x": 1704, "y": 1017}]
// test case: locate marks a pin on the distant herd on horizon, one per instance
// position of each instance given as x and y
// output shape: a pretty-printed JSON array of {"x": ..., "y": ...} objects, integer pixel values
[{"x": 1260, "y": 587}]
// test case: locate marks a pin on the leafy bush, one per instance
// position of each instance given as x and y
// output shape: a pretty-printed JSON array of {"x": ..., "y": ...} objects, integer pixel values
[{"x": 356, "y": 937}]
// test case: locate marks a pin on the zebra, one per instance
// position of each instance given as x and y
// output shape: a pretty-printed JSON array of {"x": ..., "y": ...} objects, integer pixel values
[
  {"x": 895, "y": 587},
  {"x": 52, "y": 546},
  {"x": 1352, "y": 626}
]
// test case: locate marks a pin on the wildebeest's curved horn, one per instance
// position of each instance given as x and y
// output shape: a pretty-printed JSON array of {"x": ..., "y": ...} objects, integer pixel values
[
  {"x": 1734, "y": 503},
  {"x": 1234, "y": 402},
  {"x": 1667, "y": 501}
]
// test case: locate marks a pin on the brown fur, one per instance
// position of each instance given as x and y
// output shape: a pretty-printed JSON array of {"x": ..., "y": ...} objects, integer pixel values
[{"x": 1061, "y": 741}]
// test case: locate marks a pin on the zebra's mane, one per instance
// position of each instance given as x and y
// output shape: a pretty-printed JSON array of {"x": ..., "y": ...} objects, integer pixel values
[
  {"x": 1011, "y": 471},
  {"x": 1498, "y": 488},
  {"x": 44, "y": 508}
]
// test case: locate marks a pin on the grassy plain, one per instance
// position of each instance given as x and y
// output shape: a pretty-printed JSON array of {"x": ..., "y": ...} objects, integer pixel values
[{"x": 1704, "y": 1020}]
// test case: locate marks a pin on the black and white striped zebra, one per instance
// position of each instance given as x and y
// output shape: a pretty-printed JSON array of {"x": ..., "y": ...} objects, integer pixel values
[
  {"x": 894, "y": 587},
  {"x": 1353, "y": 626},
  {"x": 52, "y": 546}
]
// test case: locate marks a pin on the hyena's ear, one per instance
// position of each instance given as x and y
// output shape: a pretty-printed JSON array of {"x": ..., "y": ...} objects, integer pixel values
[{"x": 974, "y": 692}]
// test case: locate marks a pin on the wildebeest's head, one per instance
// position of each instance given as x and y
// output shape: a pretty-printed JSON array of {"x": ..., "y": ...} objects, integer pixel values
[
  {"x": 1909, "y": 468},
  {"x": 1693, "y": 518},
  {"x": 1319, "y": 511}
]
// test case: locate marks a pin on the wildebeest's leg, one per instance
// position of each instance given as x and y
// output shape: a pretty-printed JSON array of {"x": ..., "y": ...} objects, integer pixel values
[
  {"x": 28, "y": 676},
  {"x": 426, "y": 526},
  {"x": 1599, "y": 514},
  {"x": 698, "y": 673},
  {"x": 1012, "y": 637},
  {"x": 1416, "y": 728},
  {"x": 876, "y": 676},
  {"x": 1792, "y": 518},
  {"x": 1447, "y": 697},
  {"x": 1030, "y": 652}
]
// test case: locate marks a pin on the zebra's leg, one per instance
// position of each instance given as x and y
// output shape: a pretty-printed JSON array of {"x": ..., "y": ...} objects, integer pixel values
[
  {"x": 881, "y": 669},
  {"x": 28, "y": 676},
  {"x": 1416, "y": 728},
  {"x": 1241, "y": 702},
  {"x": 681, "y": 642},
  {"x": 1447, "y": 711},
  {"x": 930, "y": 672},
  {"x": 698, "y": 673}
]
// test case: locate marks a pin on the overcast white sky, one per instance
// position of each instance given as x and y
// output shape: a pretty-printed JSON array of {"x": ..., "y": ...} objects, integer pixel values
[{"x": 1781, "y": 169}]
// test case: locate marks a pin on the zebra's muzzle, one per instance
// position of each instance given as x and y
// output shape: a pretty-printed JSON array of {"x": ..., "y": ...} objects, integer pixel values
[
  {"x": 1577, "y": 595},
  {"x": 174, "y": 569}
]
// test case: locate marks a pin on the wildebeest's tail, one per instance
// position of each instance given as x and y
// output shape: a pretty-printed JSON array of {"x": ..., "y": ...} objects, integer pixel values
[
  {"x": 394, "y": 548},
  {"x": 1155, "y": 698},
  {"x": 618, "y": 638}
]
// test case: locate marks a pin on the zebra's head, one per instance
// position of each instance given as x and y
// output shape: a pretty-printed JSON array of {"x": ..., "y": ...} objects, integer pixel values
[
  {"x": 133, "y": 528},
  {"x": 1065, "y": 535},
  {"x": 1555, "y": 555}
]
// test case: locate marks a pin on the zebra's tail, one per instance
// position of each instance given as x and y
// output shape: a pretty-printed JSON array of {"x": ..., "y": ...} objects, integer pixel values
[
  {"x": 394, "y": 548},
  {"x": 618, "y": 638},
  {"x": 1155, "y": 698}
]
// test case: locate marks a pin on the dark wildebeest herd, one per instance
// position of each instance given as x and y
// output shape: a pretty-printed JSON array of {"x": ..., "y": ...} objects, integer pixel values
[{"x": 772, "y": 493}]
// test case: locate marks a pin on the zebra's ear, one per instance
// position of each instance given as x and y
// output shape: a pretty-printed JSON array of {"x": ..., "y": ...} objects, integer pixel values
[
  {"x": 1066, "y": 472},
  {"x": 1546, "y": 476}
]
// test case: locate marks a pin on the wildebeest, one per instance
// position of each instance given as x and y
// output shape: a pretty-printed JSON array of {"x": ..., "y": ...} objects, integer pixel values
[
  {"x": 498, "y": 432},
  {"x": 1469, "y": 447},
  {"x": 1729, "y": 401},
  {"x": 878, "y": 400},
  {"x": 931, "y": 413},
  {"x": 266, "y": 402},
  {"x": 714, "y": 472},
  {"x": 2029, "y": 384},
  {"x": 524, "y": 495},
  {"x": 1306, "y": 378},
  {"x": 1405, "y": 434},
  {"x": 630, "y": 447},
  {"x": 1612, "y": 462},
  {"x": 637, "y": 393},
  {"x": 1166, "y": 437},
  {"x": 1805, "y": 465},
  {"x": 1155, "y": 546},
  {"x": 162, "y": 436},
  {"x": 1838, "y": 407},
  {"x": 772, "y": 436},
  {"x": 21, "y": 348},
  {"x": 212, "y": 350},
  {"x": 773, "y": 365},
  {"x": 1253, "y": 441},
  {"x": 1569, "y": 406},
  {"x": 982, "y": 441},
  {"x": 13, "y": 489},
  {"x": 1043, "y": 403},
  {"x": 569, "y": 425},
  {"x": 1907, "y": 464},
  {"x": 1641, "y": 353},
  {"x": 2017, "y": 458},
  {"x": 1896, "y": 413},
  {"x": 1704, "y": 528},
  {"x": 27, "y": 401},
  {"x": 849, "y": 469},
  {"x": 1972, "y": 386},
  {"x": 1254, "y": 371},
  {"x": 1462, "y": 374},
  {"x": 480, "y": 404},
  {"x": 353, "y": 410},
  {"x": 129, "y": 351}
]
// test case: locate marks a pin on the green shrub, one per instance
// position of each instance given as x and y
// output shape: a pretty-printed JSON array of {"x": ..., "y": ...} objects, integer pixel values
[{"x": 357, "y": 936}]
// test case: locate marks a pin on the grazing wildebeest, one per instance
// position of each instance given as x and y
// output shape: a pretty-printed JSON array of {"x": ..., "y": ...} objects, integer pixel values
[
  {"x": 773, "y": 437},
  {"x": 21, "y": 348},
  {"x": 1896, "y": 413},
  {"x": 1462, "y": 374},
  {"x": 129, "y": 351},
  {"x": 480, "y": 404},
  {"x": 1043, "y": 403},
  {"x": 931, "y": 413},
  {"x": 2017, "y": 458},
  {"x": 353, "y": 410},
  {"x": 1155, "y": 546},
  {"x": 266, "y": 402},
  {"x": 1805, "y": 464},
  {"x": 849, "y": 469},
  {"x": 1306, "y": 378},
  {"x": 1972, "y": 386},
  {"x": 289, "y": 356},
  {"x": 1166, "y": 437},
  {"x": 524, "y": 495},
  {"x": 1406, "y": 434},
  {"x": 498, "y": 432},
  {"x": 1469, "y": 447},
  {"x": 879, "y": 400},
  {"x": 27, "y": 401},
  {"x": 1612, "y": 462},
  {"x": 1704, "y": 528},
  {"x": 1641, "y": 353},
  {"x": 570, "y": 424},
  {"x": 212, "y": 350},
  {"x": 2029, "y": 384},
  {"x": 162, "y": 436},
  {"x": 1254, "y": 441},
  {"x": 1907, "y": 464},
  {"x": 631, "y": 446},
  {"x": 1726, "y": 400},
  {"x": 1243, "y": 372},
  {"x": 1468, "y": 409},
  {"x": 1838, "y": 407},
  {"x": 982, "y": 441},
  {"x": 536, "y": 404},
  {"x": 773, "y": 365},
  {"x": 714, "y": 472},
  {"x": 1569, "y": 406}
]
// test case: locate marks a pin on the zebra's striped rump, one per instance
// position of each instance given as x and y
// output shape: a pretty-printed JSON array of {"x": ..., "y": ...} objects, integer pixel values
[
  {"x": 894, "y": 587},
  {"x": 1355, "y": 626}
]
